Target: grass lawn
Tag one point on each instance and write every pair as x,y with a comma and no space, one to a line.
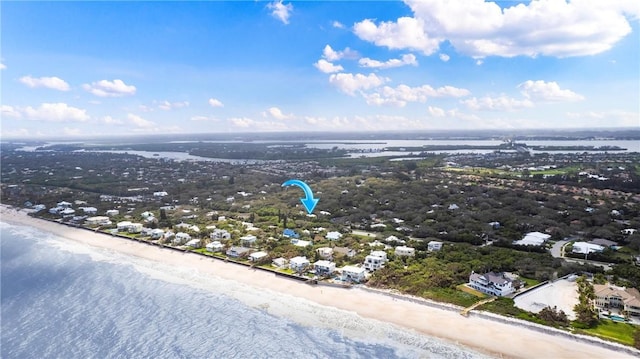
529,282
615,331
471,291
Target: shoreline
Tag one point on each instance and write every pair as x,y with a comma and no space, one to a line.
483,332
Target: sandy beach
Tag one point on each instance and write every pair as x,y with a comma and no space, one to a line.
501,338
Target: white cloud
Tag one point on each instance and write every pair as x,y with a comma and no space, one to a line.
400,95
3,66
407,59
56,112
480,28
204,118
327,67
547,91
54,83
611,118
332,55
72,132
10,111
280,11
350,83
500,103
444,57
338,25
245,123
213,102
139,121
106,88
168,106
276,113
406,33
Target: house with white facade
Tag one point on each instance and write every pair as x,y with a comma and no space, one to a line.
181,238
215,246
491,283
280,263
89,210
195,243
220,235
156,233
333,236
112,212
353,274
533,239
237,252
123,226
404,251
298,264
586,248
375,260
97,221
325,252
434,246
135,228
611,297
259,256
324,267
248,240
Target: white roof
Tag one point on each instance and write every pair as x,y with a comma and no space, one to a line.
299,260
584,247
258,255
353,269
324,263
533,239
334,235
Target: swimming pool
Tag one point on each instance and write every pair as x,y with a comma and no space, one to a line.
617,318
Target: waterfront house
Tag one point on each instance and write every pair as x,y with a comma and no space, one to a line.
181,238
237,252
97,221
324,267
89,210
258,257
492,283
215,246
195,243
156,233
375,260
123,226
353,274
279,263
298,264
434,246
404,251
135,228
611,297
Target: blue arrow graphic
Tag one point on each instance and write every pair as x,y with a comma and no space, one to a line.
309,202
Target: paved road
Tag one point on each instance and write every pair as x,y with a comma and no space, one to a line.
556,250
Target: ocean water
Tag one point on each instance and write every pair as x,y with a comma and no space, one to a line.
62,299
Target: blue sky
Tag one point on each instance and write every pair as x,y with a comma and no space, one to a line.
81,69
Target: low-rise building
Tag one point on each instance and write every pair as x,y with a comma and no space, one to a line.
298,264
324,267
404,251
237,252
434,246
195,243
375,260
97,221
492,283
533,239
611,297
586,248
248,240
353,274
215,246
259,256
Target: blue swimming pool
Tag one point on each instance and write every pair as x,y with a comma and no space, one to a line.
617,318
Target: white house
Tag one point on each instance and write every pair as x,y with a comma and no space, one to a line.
491,283
298,264
112,212
146,214
325,252
333,236
135,228
279,263
89,210
156,233
300,243
98,221
160,194
195,243
375,260
258,256
64,204
353,274
236,252
404,251
181,238
123,226
220,234
434,246
533,239
248,240
215,246
586,248
324,267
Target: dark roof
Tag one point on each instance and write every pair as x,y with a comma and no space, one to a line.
603,242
